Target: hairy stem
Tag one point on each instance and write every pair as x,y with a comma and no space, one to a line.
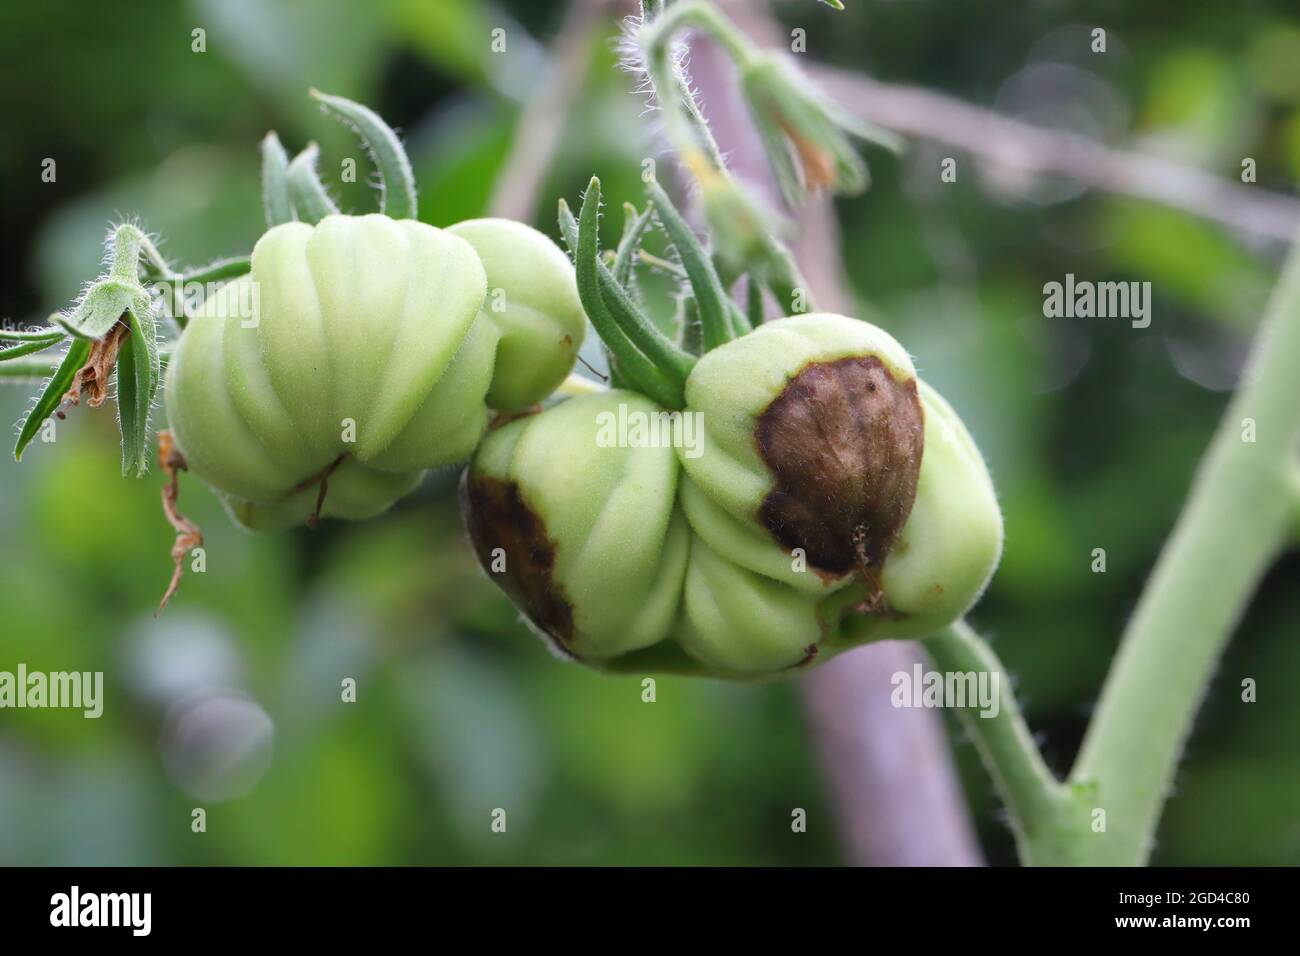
1239,513
1041,808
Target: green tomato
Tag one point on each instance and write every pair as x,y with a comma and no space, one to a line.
741,624
582,534
952,541
622,562
828,465
749,612
812,440
353,351
533,301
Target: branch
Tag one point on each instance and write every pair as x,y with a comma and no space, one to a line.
1034,152
1040,806
1240,512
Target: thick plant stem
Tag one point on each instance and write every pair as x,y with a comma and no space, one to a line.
1238,515
1041,808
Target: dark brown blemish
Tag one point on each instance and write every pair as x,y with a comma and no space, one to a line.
496,516
843,441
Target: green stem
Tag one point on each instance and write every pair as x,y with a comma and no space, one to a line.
30,346
684,122
218,271
26,371
129,244
1238,514
30,335
1040,807
688,130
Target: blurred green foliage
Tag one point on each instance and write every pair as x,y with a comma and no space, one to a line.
1092,430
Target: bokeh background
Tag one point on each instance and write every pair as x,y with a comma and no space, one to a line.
230,701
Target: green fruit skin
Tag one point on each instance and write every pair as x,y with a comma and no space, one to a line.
951,544
533,302
620,545
749,615
624,554
739,624
362,327
734,384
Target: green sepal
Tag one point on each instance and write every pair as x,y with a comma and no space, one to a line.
663,384
634,227
101,307
30,335
276,202
710,297
138,372
397,196
52,396
28,346
309,196
753,302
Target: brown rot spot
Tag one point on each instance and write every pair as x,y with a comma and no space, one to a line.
513,547
843,441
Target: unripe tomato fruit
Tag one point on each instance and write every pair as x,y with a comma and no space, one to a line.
813,440
532,299
363,352
584,538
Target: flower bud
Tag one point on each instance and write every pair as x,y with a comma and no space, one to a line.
352,354
533,302
582,535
